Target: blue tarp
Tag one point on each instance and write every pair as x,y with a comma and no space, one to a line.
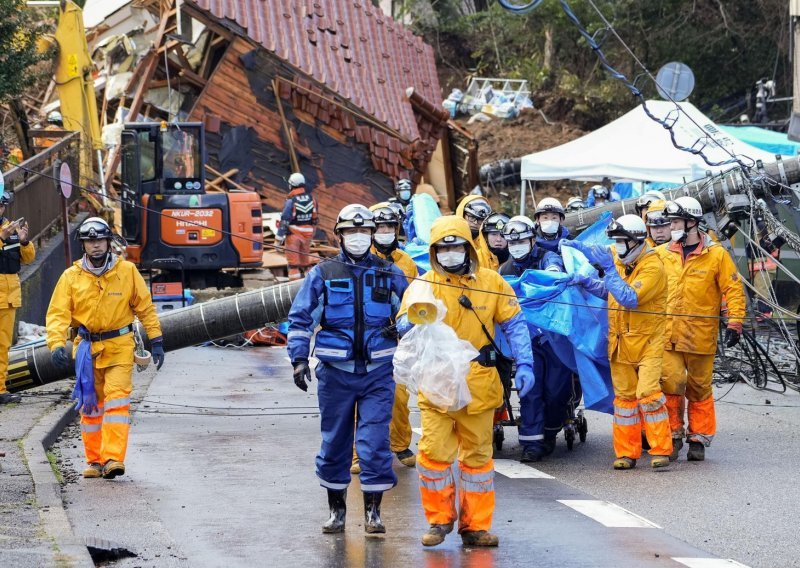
763,139
574,322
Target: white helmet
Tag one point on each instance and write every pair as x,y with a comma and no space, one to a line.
628,227
625,229
684,208
54,117
549,205
519,228
354,215
297,180
574,203
600,191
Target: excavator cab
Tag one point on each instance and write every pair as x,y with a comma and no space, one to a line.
167,214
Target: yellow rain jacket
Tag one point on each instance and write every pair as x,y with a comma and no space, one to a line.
486,257
696,287
403,261
100,304
493,300
10,292
634,335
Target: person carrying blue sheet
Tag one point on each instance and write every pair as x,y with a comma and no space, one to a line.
545,408
549,216
355,345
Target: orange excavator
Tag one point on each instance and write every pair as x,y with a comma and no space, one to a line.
169,220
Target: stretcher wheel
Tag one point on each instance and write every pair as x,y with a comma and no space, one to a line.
498,437
583,426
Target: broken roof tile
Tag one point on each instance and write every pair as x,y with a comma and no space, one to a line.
377,62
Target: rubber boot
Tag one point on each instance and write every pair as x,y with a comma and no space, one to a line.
436,534
531,455
677,444
479,538
337,503
696,453
372,513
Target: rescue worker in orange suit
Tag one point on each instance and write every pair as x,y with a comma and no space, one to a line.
298,221
99,295
386,247
700,274
353,298
636,287
464,286
15,250
475,210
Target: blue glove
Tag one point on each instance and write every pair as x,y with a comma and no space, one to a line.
403,326
595,254
594,286
524,380
157,350
60,358
83,394
622,292
519,338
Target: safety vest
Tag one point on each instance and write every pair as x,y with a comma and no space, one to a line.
357,306
551,244
304,209
10,256
534,261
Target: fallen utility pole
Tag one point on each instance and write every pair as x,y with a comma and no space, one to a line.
716,193
32,367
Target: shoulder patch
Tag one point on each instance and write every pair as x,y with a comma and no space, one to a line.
513,302
637,284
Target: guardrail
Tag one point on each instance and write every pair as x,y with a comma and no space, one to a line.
35,195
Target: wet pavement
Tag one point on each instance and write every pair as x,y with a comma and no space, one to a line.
220,472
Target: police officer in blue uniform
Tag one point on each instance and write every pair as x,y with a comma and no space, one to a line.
548,404
357,293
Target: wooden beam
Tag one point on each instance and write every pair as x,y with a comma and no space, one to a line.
288,133
144,72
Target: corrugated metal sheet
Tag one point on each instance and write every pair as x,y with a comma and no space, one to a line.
349,46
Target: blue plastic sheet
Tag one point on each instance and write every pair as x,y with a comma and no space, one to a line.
573,322
421,212
84,393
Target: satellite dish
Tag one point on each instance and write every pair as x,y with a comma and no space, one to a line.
675,81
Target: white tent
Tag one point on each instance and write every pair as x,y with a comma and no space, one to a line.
636,148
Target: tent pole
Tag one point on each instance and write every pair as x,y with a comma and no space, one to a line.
522,192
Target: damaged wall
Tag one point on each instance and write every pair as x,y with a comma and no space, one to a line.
338,167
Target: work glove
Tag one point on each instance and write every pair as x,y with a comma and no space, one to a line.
60,357
733,334
302,374
595,254
157,350
280,240
579,279
524,380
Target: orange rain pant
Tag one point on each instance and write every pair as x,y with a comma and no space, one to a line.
400,426
105,432
298,247
7,318
468,436
638,395
688,376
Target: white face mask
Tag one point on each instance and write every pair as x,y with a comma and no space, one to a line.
632,255
519,251
384,239
621,247
451,259
549,227
357,244
677,235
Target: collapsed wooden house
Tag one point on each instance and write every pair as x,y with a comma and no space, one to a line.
331,88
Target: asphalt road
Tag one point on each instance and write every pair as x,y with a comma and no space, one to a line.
220,472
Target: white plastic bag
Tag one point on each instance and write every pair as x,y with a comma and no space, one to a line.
431,359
